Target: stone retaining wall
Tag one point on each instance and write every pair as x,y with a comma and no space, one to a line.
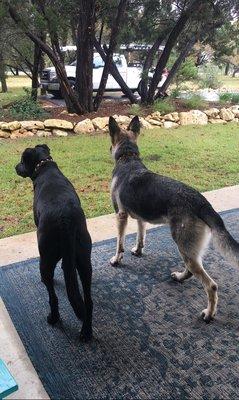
60,127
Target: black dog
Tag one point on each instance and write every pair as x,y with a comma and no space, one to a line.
154,198
61,232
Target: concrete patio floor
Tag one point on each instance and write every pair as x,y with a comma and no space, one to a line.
22,247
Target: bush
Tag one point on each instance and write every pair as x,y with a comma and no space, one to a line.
175,93
209,78
195,102
187,72
163,106
26,108
135,109
229,98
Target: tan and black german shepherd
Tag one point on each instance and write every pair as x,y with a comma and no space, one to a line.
154,198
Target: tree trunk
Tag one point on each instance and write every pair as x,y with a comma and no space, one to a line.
176,67
227,69
176,31
35,71
72,103
147,65
85,51
116,75
117,25
3,74
235,71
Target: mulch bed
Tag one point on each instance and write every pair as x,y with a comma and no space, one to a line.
108,107
111,107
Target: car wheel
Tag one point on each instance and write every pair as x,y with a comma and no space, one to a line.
56,94
72,82
139,89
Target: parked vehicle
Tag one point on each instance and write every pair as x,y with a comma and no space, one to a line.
131,75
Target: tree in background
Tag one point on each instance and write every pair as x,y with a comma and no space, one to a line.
105,25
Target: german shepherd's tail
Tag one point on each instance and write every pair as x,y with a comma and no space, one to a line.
70,274
223,240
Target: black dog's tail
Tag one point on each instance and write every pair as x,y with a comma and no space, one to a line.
70,274
226,244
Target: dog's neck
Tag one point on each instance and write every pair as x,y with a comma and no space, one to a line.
127,151
128,156
40,164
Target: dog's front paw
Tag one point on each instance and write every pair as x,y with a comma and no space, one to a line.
114,261
137,251
52,319
86,335
207,316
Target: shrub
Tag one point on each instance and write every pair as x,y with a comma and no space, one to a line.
163,106
209,78
135,109
187,72
26,108
235,98
175,93
229,98
195,102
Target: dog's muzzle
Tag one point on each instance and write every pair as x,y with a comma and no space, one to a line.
21,171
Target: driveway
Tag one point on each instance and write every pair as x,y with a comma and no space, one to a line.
109,96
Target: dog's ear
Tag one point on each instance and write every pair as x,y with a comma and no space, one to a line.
134,125
44,147
114,129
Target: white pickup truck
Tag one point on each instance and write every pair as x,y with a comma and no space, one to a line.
131,75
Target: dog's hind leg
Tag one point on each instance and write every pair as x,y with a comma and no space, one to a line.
192,237
122,219
84,269
137,250
47,277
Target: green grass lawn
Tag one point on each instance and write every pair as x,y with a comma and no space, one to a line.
229,82
16,85
205,157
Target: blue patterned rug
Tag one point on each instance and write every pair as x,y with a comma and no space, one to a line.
149,342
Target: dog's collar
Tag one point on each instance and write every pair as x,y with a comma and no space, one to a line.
126,156
42,162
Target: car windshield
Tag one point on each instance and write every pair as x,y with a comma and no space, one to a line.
99,63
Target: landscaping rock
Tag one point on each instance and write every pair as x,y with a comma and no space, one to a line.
226,114
43,133
145,124
174,117
100,123
14,125
85,126
194,117
10,126
59,132
156,115
154,121
212,112
58,124
4,134
235,110
19,134
30,125
4,126
123,120
217,121
170,124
